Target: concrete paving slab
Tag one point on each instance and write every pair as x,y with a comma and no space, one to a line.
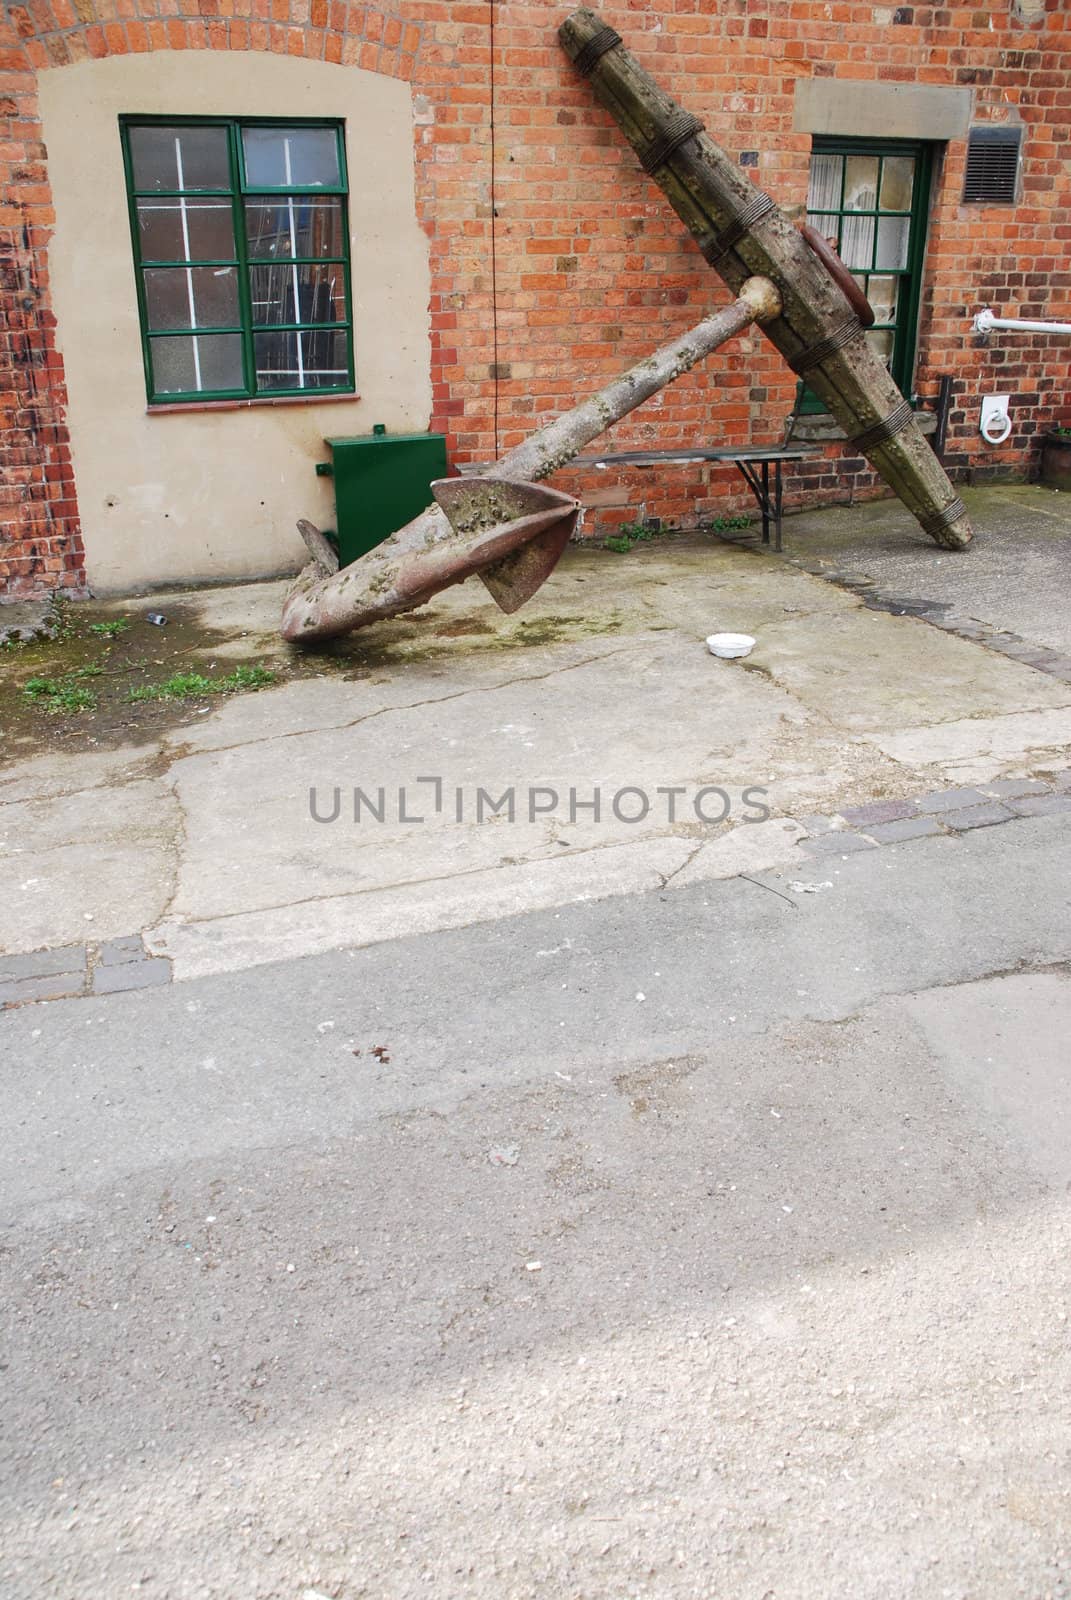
118,952
238,940
23,620
336,702
145,974
657,711
43,963
902,829
1040,805
52,773
983,816
57,986
949,800
89,864
1019,562
878,811
841,843
979,747
752,847
868,670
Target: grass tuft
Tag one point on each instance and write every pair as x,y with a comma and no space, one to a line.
56,695
194,685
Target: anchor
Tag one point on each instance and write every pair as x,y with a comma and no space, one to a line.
509,532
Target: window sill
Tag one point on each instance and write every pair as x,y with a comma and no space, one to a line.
820,428
165,408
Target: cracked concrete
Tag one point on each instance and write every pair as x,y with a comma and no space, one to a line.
205,841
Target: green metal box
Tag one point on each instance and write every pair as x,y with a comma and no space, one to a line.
381,483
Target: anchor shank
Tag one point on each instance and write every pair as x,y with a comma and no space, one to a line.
376,586
552,446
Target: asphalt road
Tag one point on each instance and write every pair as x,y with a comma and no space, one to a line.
709,1243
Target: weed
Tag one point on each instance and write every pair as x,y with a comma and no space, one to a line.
193,685
728,524
110,630
55,695
59,624
631,533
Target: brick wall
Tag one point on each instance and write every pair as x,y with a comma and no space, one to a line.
583,267
40,542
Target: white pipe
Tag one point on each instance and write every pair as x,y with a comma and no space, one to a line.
986,322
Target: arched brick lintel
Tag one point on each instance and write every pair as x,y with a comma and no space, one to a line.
53,33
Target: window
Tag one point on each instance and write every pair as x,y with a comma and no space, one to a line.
871,198
241,251
992,175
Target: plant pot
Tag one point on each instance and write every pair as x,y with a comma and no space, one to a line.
1056,460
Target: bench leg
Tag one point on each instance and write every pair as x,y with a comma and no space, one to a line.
759,484
779,505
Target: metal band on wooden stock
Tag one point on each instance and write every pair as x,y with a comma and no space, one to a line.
595,49
716,246
842,335
681,125
937,521
881,432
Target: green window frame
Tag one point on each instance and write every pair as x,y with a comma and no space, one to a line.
240,235
880,233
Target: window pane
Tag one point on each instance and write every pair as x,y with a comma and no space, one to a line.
880,341
298,294
301,360
823,193
180,158
881,292
857,241
291,158
192,297
301,226
892,241
897,183
199,364
186,230
861,183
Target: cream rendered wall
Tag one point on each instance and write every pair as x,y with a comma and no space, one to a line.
211,494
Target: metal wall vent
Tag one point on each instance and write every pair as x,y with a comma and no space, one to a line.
992,165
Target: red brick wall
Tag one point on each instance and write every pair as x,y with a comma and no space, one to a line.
589,267
40,541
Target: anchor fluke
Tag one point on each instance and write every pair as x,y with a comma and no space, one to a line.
539,522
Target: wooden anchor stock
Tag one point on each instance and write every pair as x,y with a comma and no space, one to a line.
742,232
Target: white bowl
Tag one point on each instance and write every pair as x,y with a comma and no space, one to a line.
728,645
